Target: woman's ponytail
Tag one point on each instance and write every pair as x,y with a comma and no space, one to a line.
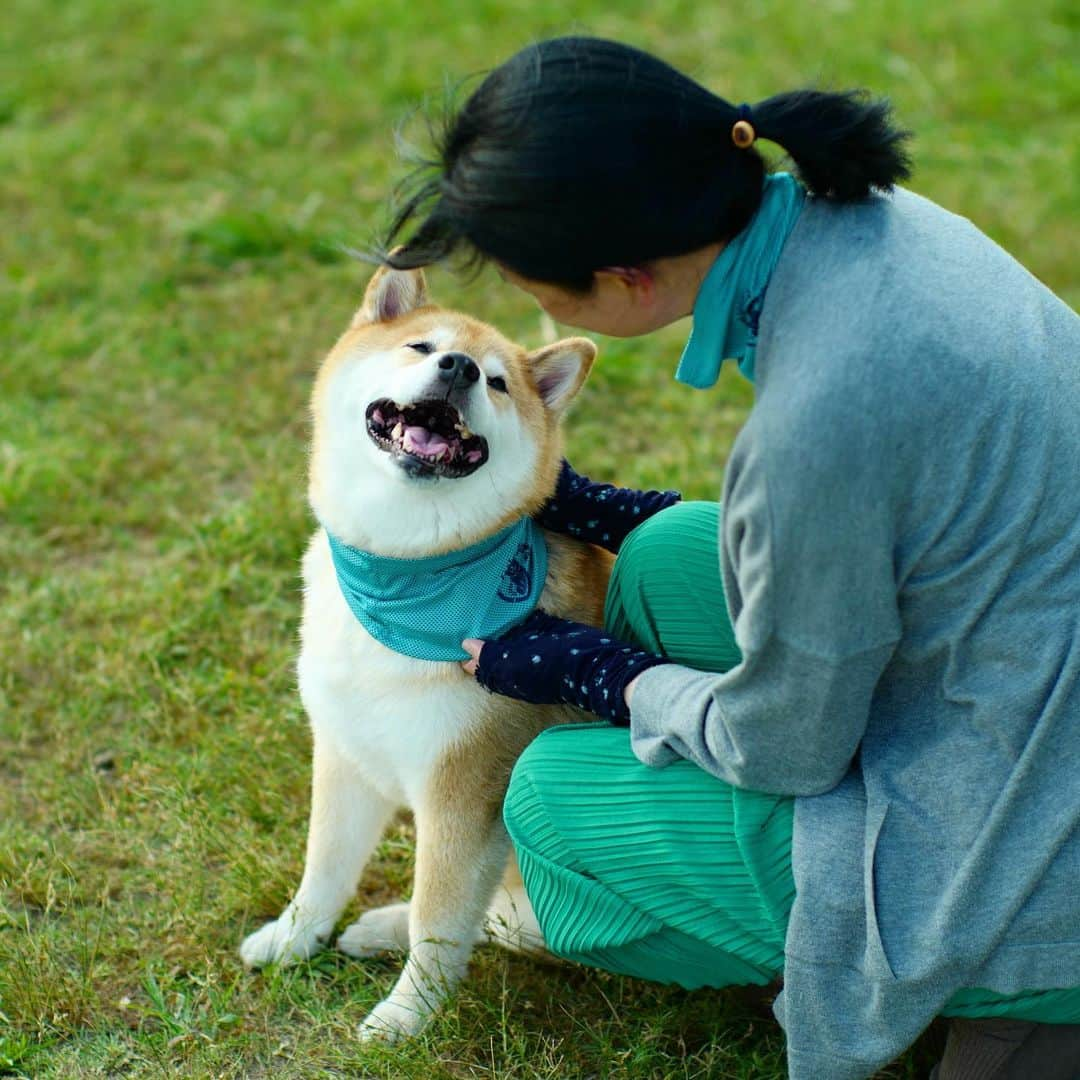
843,144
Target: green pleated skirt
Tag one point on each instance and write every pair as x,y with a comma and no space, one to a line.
672,874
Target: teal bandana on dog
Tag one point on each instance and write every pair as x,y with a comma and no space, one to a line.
729,302
425,607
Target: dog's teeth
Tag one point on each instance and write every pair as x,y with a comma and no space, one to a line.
399,430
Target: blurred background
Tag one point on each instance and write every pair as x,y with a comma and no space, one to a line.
177,183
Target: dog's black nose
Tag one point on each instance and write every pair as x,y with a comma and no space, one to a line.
454,365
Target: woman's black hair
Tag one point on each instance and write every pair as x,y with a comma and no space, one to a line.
579,153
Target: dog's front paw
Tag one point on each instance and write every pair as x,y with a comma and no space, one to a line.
391,1020
382,930
283,941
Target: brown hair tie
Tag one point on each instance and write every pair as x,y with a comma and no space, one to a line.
742,132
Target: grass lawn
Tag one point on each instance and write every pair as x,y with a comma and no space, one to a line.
175,180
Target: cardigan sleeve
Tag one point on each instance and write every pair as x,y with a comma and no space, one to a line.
781,722
806,560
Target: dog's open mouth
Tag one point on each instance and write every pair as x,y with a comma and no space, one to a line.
429,437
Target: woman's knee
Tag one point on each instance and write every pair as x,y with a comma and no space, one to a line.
527,809
687,528
666,591
657,550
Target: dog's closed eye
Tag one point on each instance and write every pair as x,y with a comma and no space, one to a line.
422,347
497,382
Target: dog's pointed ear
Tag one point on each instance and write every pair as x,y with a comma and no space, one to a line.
560,369
390,294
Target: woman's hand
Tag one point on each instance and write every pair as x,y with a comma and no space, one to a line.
550,661
472,646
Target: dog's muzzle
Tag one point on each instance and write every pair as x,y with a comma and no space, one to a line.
427,438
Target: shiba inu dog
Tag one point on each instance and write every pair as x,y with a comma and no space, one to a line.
432,434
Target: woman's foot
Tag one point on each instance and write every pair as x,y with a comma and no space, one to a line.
1009,1050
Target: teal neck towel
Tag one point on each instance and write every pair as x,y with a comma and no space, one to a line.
730,299
425,607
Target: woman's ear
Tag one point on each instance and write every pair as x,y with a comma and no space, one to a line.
390,294
638,280
560,369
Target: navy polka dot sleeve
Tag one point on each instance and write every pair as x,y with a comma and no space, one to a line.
547,660
601,514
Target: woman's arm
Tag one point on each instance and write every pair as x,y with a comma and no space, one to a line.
547,660
783,721
807,552
600,514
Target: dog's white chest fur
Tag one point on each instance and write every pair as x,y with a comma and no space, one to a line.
392,715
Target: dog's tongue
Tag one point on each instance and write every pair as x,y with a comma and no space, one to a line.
418,440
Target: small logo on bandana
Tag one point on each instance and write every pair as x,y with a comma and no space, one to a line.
751,314
516,582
